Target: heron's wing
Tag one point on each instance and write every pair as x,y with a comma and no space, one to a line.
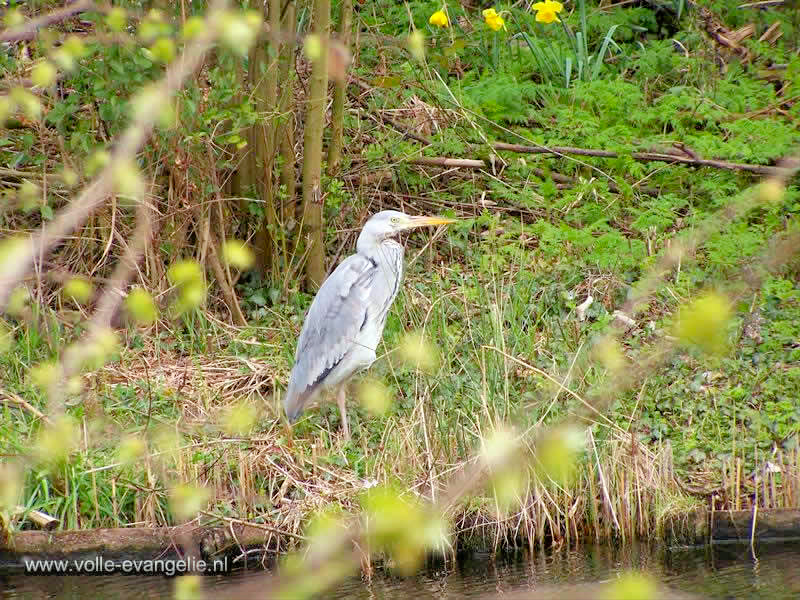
339,311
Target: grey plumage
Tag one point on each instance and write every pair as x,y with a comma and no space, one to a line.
345,323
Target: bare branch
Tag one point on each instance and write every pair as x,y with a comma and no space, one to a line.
8,396
29,30
645,157
471,163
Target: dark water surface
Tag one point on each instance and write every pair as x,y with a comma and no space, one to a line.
724,571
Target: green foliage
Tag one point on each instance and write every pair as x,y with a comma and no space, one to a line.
503,99
577,61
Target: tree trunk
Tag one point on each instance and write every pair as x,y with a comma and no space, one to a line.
265,92
312,149
241,176
337,112
286,132
256,154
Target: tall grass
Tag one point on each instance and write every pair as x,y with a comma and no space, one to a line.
496,329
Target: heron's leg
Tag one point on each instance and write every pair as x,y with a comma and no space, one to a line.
343,410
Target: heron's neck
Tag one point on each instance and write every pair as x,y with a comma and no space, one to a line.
377,250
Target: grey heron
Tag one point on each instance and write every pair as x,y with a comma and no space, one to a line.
347,316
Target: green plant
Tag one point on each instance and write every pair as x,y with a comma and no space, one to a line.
556,64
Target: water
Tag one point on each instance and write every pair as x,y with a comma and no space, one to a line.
724,572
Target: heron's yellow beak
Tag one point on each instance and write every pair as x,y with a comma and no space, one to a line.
423,221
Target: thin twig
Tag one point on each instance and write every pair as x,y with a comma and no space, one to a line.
14,399
394,124
469,163
263,526
612,187
762,4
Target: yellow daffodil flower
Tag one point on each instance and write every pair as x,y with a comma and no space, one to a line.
439,18
494,20
546,11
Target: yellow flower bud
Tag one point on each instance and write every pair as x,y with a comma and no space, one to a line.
374,396
78,289
141,307
117,19
187,500
238,254
704,323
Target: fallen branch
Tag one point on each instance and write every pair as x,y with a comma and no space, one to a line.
14,399
441,161
772,34
644,157
41,519
688,157
723,36
767,109
29,30
470,163
762,4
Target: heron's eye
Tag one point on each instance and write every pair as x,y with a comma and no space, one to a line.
395,220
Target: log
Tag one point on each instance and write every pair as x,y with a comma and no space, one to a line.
141,542
729,526
737,525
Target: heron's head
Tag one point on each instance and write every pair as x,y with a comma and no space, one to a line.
389,223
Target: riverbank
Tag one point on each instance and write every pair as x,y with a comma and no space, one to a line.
266,489
619,274
224,548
